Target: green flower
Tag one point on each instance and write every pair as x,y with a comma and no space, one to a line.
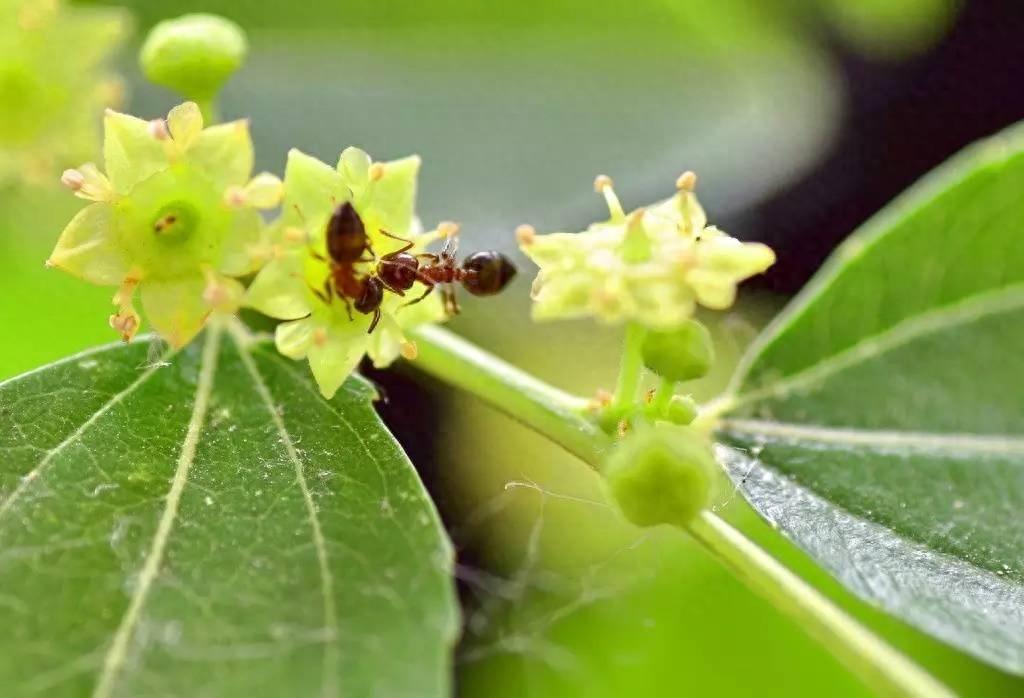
175,216
652,266
52,83
290,287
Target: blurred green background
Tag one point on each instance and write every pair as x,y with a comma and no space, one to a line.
515,108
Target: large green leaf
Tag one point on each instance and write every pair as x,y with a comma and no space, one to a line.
879,420
209,526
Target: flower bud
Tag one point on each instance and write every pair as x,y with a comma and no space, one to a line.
682,354
194,54
661,475
681,410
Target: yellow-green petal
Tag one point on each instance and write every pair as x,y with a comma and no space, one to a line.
264,191
185,123
224,153
175,308
354,165
279,290
294,338
714,290
131,153
88,250
333,360
310,186
244,236
394,195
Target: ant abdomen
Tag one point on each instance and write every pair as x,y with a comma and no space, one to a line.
487,273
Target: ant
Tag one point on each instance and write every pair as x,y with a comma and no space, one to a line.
347,243
482,273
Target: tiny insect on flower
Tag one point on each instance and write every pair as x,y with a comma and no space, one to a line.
336,266
174,217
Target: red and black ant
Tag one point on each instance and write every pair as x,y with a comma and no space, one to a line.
482,273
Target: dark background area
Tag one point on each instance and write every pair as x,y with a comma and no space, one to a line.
901,120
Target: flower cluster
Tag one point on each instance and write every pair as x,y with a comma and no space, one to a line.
173,216
651,266
50,102
319,325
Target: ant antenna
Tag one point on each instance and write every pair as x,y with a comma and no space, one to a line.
451,245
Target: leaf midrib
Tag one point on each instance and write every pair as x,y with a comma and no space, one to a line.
880,439
117,652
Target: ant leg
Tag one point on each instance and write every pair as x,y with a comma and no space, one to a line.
319,294
376,319
451,304
408,244
348,308
426,293
312,251
327,294
396,291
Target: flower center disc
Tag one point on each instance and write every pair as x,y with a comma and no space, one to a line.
175,222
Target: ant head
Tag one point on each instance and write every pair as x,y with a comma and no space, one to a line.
490,272
371,297
399,270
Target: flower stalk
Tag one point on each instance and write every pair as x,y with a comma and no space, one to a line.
562,418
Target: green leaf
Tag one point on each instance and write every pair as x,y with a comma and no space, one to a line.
878,422
208,525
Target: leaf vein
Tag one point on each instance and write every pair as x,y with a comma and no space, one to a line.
32,475
966,311
330,671
875,439
117,653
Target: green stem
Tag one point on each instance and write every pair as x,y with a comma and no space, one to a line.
208,108
884,669
561,418
545,409
663,396
630,369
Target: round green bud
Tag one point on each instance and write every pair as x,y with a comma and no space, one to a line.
681,410
193,54
661,475
681,354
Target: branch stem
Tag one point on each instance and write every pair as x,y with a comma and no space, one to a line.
542,407
880,666
562,418
630,369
